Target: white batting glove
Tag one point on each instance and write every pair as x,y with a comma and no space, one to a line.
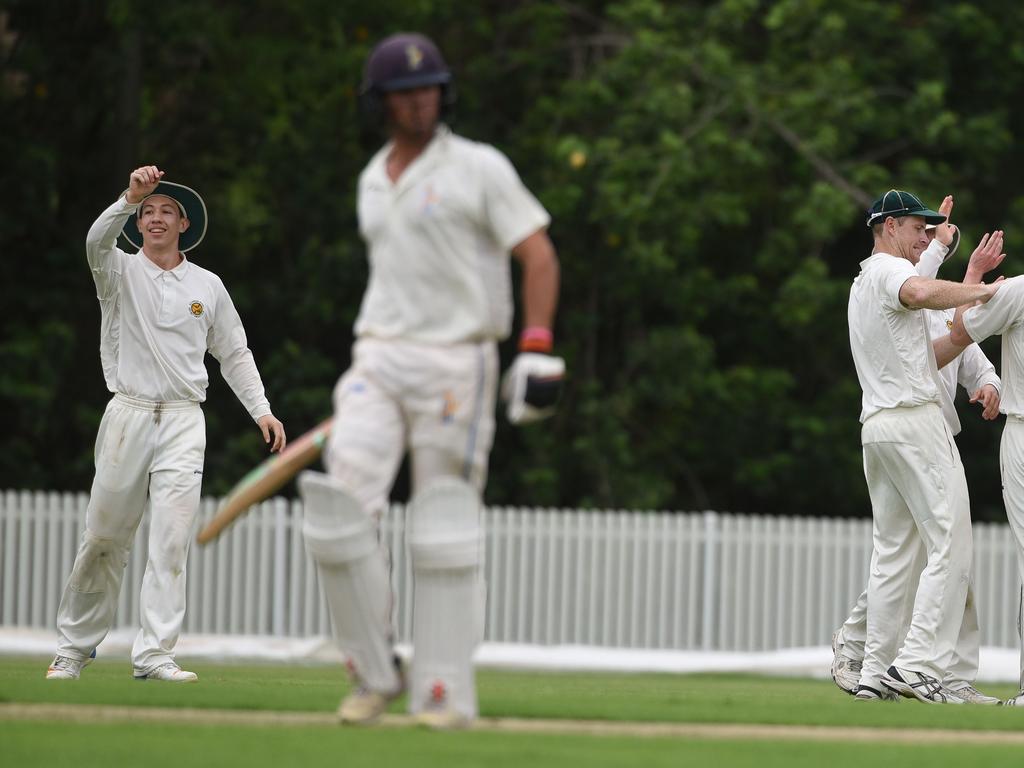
531,387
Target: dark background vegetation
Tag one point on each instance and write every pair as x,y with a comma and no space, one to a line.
707,242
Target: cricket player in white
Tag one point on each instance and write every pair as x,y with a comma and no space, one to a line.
973,371
911,464
1005,317
160,313
440,215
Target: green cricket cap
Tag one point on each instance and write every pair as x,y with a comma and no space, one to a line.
897,203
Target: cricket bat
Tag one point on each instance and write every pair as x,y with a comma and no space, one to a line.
265,479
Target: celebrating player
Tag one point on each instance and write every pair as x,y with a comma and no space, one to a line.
911,464
1005,317
977,375
440,215
160,313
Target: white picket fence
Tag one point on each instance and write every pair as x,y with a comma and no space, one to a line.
694,581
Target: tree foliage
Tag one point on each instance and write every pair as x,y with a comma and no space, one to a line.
707,165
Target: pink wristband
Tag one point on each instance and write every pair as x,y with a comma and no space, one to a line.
536,338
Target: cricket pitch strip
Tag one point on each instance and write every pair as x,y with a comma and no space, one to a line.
87,713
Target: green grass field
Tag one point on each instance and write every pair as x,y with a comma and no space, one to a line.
736,699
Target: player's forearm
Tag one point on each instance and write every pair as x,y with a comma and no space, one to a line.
931,259
240,372
946,351
923,293
102,237
541,277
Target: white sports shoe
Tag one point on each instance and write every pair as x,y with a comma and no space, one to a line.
1016,701
972,695
439,715
168,672
917,685
845,671
363,705
66,668
867,693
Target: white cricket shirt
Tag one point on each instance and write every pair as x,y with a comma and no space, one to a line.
970,369
156,325
1003,314
438,242
890,343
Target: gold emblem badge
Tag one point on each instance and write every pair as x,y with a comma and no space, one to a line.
196,308
949,324
414,56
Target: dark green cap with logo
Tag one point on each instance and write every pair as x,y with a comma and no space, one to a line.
897,203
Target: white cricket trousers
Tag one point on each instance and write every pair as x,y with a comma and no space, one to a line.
436,402
964,665
1011,464
918,495
143,450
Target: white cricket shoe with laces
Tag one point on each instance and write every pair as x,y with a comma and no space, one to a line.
917,685
168,672
845,670
972,695
66,668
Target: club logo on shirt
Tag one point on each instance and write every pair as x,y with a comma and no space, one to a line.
196,308
949,324
431,199
449,407
414,56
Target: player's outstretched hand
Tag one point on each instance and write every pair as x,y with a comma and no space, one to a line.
272,426
988,396
142,182
988,255
945,231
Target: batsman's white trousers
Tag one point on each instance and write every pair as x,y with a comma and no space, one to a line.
437,402
1011,464
964,665
918,495
143,449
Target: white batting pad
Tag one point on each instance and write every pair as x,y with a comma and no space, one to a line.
445,537
342,539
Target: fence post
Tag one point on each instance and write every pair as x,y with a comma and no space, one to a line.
710,582
280,570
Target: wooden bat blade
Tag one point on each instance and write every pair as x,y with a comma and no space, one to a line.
261,482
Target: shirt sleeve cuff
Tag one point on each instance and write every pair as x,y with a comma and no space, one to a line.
259,411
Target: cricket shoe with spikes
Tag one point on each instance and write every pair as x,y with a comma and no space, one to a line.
362,705
168,672
917,685
845,671
66,668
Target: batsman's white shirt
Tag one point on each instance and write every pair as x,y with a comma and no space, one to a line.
890,343
157,325
439,241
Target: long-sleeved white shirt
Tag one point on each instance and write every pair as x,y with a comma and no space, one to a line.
971,369
156,325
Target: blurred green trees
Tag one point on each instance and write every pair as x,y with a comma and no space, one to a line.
707,165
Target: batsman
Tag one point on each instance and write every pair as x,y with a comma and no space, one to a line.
440,216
